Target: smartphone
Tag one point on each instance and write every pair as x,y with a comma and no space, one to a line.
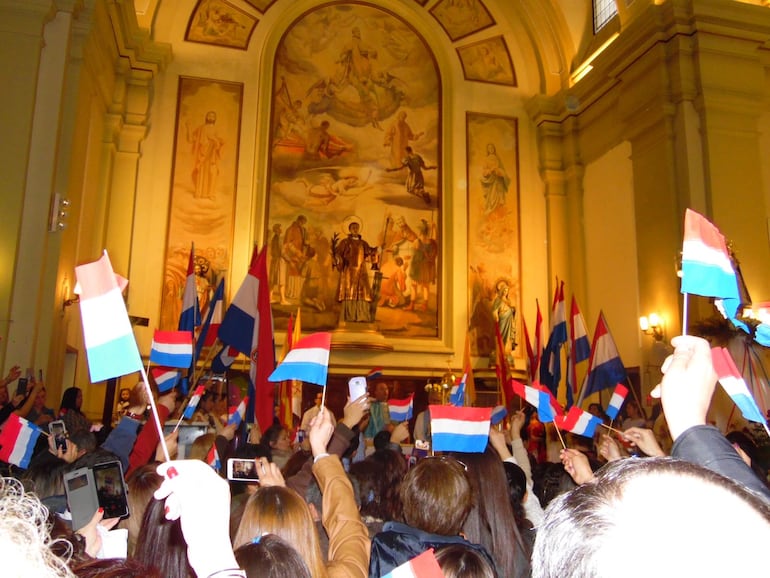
111,489
81,496
357,387
21,386
242,470
58,432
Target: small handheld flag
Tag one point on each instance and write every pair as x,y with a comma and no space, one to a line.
374,373
734,385
423,566
212,458
189,410
172,349
109,339
498,414
616,401
401,409
457,393
307,361
17,441
578,422
540,399
239,414
165,378
460,429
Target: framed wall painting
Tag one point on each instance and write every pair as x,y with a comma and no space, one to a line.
261,5
494,261
220,23
356,135
461,19
203,184
488,61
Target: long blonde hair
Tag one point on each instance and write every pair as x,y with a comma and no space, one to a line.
281,511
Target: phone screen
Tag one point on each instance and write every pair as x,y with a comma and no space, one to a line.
111,489
242,470
21,386
59,433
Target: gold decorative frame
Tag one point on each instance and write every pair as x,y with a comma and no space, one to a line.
488,61
461,19
219,23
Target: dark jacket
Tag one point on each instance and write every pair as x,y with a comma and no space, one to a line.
399,543
705,446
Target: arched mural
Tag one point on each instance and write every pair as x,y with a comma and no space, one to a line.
355,136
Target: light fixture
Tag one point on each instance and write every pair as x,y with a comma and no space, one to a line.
71,301
653,325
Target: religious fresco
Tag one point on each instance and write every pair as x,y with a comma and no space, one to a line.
488,61
494,258
461,18
203,183
220,23
261,5
354,86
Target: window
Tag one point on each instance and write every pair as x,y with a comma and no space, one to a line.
604,11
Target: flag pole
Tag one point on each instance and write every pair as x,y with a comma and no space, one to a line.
154,409
684,314
561,439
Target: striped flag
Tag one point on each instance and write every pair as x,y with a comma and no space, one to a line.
541,400
734,385
210,327
189,410
498,414
706,266
616,401
165,378
423,566
457,393
191,312
110,345
460,429
401,409
374,373
212,458
578,422
17,441
239,414
605,369
307,361
550,364
172,349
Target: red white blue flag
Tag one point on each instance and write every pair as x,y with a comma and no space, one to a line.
578,421
459,429
172,349
212,458
374,373
239,414
165,378
616,401
457,393
734,385
307,361
189,410
109,339
498,414
401,409
605,369
17,441
541,400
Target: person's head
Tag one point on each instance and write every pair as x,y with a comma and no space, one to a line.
697,517
394,470
754,457
141,486
354,228
72,399
318,398
596,409
277,228
207,401
281,511
436,495
84,440
381,391
25,544
125,394
632,409
277,438
491,522
434,397
211,117
502,288
201,446
325,125
271,556
301,219
550,480
39,402
491,149
161,544
408,150
460,561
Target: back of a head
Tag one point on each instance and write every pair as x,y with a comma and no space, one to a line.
281,511
141,486
702,523
436,496
549,481
460,561
201,446
271,557
161,544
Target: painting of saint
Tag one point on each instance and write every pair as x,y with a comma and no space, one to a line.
488,61
356,130
461,18
219,22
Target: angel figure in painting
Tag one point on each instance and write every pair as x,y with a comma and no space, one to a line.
350,257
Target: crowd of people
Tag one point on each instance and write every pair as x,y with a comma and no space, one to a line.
346,501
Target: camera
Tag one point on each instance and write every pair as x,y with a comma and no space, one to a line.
58,432
242,470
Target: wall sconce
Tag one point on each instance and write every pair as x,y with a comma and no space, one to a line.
57,220
653,325
71,301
